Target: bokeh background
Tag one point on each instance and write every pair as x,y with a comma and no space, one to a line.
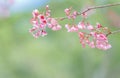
59,54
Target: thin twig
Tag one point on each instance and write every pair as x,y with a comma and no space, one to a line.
112,32
115,31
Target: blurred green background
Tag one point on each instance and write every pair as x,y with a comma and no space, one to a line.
59,54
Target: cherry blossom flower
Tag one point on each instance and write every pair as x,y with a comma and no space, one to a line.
81,25
104,45
99,25
67,11
71,29
90,27
53,24
35,13
102,42
84,15
48,11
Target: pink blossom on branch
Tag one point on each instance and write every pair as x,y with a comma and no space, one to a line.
70,14
41,21
53,24
81,25
71,28
93,36
102,42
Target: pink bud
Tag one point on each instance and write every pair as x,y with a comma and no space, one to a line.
67,11
47,6
35,13
81,35
99,25
43,33
84,15
54,22
75,13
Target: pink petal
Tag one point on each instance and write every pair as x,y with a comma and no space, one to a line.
90,27
54,22
35,13
43,33
81,25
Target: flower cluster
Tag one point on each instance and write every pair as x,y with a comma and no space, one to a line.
42,20
93,36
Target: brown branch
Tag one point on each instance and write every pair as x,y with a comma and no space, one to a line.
95,7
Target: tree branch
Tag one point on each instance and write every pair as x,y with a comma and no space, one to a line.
102,6
95,7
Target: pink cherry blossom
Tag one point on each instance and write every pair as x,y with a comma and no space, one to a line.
32,29
48,11
99,25
35,13
101,37
90,27
83,39
81,35
92,44
104,45
71,28
67,11
39,33
81,25
84,15
102,42
73,15
43,33
53,24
